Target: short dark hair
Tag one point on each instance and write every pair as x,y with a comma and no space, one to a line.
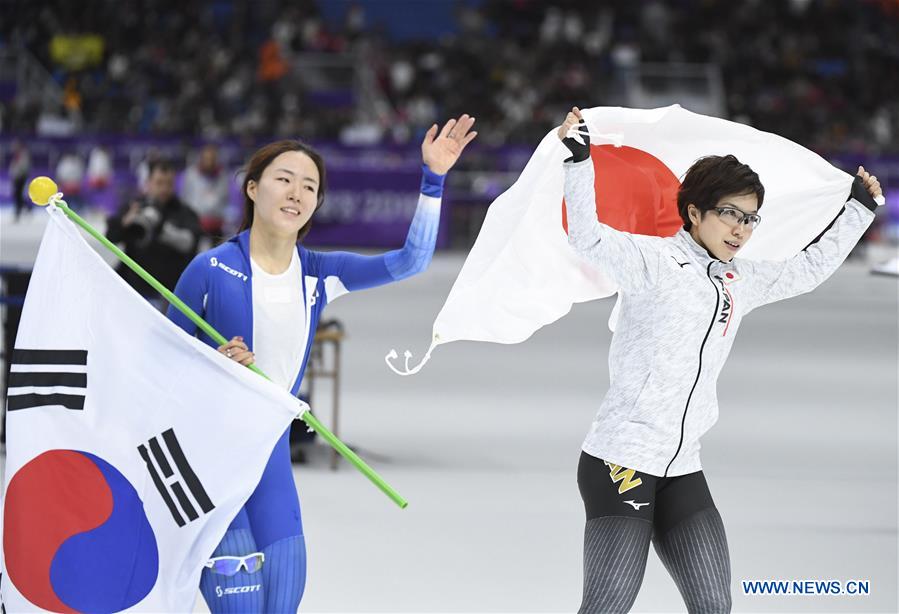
712,178
163,165
260,160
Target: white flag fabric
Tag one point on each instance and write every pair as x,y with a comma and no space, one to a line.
130,445
521,274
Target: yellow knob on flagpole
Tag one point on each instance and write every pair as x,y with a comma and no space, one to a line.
41,189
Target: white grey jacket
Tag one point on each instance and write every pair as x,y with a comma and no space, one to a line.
680,309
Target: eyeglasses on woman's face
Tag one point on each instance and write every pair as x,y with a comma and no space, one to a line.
734,217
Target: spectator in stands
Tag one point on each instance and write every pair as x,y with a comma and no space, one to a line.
19,167
99,168
158,230
205,188
70,177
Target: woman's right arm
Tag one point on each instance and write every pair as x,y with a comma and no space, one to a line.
191,288
627,258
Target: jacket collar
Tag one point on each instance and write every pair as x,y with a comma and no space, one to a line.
695,249
242,239
243,242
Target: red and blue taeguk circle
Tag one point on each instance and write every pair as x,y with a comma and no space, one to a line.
76,537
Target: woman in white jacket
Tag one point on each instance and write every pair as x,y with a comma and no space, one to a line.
681,302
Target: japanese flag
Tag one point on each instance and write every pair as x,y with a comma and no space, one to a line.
521,274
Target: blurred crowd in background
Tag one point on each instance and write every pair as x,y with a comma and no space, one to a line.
820,72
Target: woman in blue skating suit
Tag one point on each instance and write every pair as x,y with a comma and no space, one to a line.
265,291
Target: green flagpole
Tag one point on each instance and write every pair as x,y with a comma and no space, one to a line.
43,191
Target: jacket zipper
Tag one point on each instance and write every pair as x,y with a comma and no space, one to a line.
683,420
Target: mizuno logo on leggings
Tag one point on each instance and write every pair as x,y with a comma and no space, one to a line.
625,476
636,505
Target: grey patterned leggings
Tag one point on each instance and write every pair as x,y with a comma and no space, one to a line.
626,510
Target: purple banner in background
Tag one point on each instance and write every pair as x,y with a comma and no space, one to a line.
371,198
370,208
372,191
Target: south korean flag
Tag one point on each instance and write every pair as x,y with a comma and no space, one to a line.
130,445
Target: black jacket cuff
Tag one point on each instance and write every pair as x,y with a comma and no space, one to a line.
861,194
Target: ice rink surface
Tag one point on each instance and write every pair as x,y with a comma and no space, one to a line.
484,444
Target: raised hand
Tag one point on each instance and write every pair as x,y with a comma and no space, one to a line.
574,117
579,151
440,151
870,181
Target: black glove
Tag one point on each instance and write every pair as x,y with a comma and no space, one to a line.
579,152
860,193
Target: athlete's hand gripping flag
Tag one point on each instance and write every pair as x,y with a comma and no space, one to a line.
521,273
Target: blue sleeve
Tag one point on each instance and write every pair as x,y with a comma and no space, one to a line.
357,272
431,182
191,289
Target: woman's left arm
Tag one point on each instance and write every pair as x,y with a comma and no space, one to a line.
347,271
775,281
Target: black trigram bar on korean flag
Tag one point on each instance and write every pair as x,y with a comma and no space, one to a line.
169,469
43,378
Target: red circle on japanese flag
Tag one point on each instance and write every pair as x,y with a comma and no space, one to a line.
635,192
